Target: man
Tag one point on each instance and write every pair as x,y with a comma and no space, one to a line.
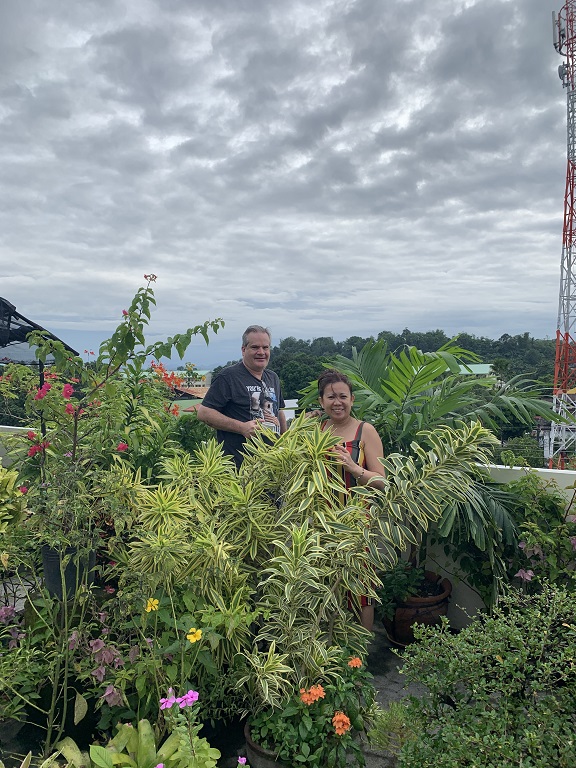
245,397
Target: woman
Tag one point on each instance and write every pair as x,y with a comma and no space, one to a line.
358,453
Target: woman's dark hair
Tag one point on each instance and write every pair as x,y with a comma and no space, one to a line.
332,376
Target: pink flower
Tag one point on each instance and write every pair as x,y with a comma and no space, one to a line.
125,313
31,435
34,449
573,542
23,489
109,590
524,575
188,699
168,701
241,761
122,447
69,408
73,642
67,391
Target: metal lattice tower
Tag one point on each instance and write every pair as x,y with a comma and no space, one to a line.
562,436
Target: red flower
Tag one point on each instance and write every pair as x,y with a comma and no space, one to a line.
31,435
67,391
23,489
125,313
122,447
43,391
69,408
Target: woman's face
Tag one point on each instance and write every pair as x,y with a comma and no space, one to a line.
337,401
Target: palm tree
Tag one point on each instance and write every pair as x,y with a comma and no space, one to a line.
409,395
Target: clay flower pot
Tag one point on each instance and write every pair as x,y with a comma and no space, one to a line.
422,610
258,757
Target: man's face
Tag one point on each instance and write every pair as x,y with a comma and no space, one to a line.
256,353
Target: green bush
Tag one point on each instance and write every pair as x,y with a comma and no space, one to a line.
190,432
502,692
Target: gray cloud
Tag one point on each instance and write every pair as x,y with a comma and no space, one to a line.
334,169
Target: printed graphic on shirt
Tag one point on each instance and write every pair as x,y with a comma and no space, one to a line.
264,405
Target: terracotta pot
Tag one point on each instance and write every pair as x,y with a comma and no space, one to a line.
419,610
258,757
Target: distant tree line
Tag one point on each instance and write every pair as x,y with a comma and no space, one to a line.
297,361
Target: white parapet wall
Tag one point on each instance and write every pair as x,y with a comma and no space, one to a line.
465,602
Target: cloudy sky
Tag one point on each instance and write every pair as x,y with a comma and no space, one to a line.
325,167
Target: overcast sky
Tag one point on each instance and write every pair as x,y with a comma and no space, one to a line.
325,168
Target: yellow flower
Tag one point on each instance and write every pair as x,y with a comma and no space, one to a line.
194,634
152,604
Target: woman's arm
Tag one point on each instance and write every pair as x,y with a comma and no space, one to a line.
373,451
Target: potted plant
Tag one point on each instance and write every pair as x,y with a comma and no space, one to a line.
321,724
411,595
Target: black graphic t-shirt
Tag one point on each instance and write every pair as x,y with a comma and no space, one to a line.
236,393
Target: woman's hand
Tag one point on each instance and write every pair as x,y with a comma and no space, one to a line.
344,458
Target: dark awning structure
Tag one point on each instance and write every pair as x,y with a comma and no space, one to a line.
14,330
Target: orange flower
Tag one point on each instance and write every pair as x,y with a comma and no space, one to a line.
355,662
309,697
341,723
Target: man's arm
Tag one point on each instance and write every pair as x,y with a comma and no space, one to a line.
218,420
282,420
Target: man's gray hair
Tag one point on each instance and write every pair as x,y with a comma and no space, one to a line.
254,329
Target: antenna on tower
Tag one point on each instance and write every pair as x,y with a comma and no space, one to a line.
563,435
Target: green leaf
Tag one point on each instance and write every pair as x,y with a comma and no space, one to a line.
101,756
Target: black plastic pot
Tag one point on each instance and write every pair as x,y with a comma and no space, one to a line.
77,569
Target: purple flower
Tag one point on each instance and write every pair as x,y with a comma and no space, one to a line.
7,613
73,641
16,637
99,673
96,645
241,761
524,575
133,654
112,696
108,655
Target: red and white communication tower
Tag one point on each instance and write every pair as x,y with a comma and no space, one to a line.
562,436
